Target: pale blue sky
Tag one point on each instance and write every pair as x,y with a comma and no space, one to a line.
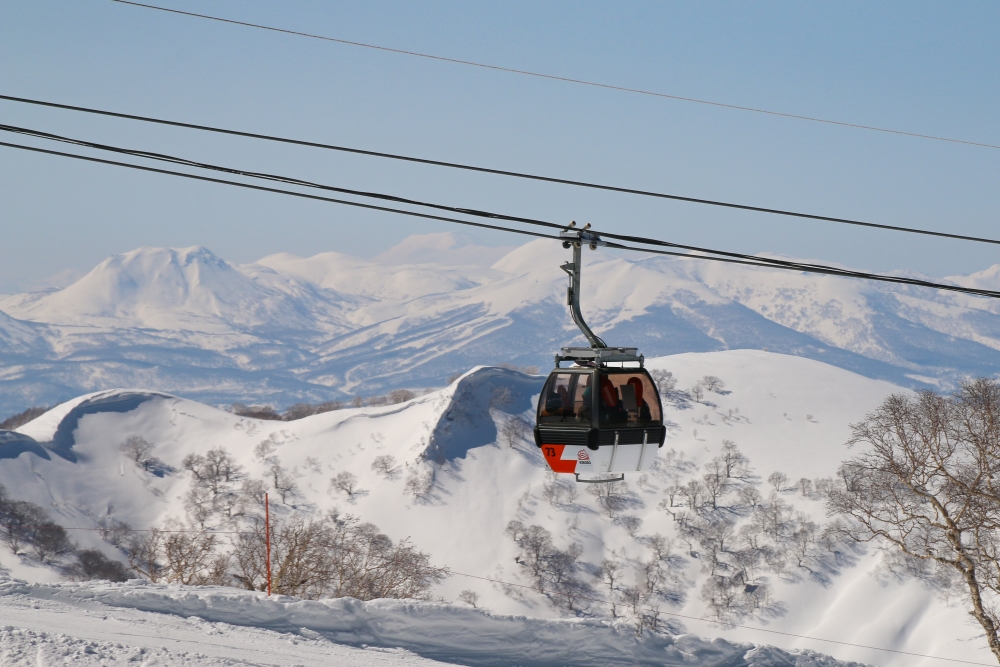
923,67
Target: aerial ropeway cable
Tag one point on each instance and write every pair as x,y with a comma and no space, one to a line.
709,253
503,172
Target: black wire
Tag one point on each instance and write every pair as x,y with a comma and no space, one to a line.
501,172
738,258
276,190
562,78
270,177
728,258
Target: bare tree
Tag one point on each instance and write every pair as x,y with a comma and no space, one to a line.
263,450
216,470
137,450
778,480
385,465
345,482
284,483
631,524
929,488
611,570
514,430
712,383
145,551
665,381
419,482
469,597
17,521
50,541
253,490
735,462
612,496
749,496
199,504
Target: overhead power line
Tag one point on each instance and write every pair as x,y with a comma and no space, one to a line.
502,172
564,79
720,256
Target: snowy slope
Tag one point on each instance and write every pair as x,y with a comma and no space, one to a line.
107,624
786,413
288,329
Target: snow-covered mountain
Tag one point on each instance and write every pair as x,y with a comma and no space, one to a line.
784,413
288,329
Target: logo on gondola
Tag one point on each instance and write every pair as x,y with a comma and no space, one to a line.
583,456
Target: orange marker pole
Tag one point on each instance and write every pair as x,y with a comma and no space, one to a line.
267,538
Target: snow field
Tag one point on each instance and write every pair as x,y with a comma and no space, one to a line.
793,416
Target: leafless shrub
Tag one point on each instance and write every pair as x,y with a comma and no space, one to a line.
558,491
113,531
552,570
265,412
824,486
631,524
530,370
469,597
419,482
805,487
334,557
400,396
92,564
22,418
501,396
303,410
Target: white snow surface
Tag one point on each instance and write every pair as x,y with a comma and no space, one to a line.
174,625
792,415
287,329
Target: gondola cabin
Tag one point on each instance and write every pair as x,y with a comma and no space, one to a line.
595,419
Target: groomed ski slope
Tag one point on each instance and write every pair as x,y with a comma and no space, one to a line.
147,624
792,415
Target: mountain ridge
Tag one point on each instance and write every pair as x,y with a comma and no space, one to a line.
287,329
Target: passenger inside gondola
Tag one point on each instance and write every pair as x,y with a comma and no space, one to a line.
641,407
612,410
566,399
